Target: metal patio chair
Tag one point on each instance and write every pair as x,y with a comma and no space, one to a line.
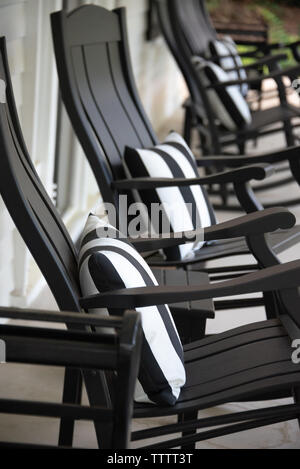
262,367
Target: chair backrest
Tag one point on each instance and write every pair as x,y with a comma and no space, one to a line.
172,42
31,208
98,89
180,49
207,19
193,25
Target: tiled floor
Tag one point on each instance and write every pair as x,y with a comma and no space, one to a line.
46,383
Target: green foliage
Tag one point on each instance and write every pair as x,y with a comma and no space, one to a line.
213,5
272,14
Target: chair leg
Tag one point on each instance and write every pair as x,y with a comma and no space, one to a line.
97,387
186,417
289,135
224,194
187,130
241,147
271,305
71,395
295,169
296,393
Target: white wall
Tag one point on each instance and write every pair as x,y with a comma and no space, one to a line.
26,25
158,79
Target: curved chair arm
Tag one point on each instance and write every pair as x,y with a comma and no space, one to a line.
62,317
234,161
255,54
268,60
249,54
265,221
240,175
293,46
291,72
275,46
279,277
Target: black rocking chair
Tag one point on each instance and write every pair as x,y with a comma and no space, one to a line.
99,93
188,40
250,363
199,115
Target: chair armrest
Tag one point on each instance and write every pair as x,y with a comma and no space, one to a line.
265,221
256,54
72,348
274,46
293,44
291,72
234,161
240,175
279,277
249,54
268,60
178,313
60,317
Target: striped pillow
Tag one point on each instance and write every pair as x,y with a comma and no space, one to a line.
185,208
107,261
227,57
228,103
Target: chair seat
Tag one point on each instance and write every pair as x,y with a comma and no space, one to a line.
263,119
241,364
175,277
273,115
280,241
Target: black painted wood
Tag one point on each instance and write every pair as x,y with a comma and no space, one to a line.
118,352
51,246
99,93
246,363
187,32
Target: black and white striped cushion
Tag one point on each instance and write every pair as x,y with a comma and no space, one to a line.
228,103
226,55
191,208
107,261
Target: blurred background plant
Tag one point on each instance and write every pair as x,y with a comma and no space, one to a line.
282,17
